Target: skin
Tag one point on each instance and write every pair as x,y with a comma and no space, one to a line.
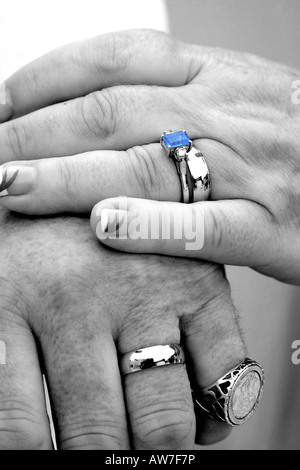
243,124
69,307
94,112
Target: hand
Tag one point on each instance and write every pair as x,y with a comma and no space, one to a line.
120,91
80,305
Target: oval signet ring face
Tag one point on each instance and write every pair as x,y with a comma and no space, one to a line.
235,396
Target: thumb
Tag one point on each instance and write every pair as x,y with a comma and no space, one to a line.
229,232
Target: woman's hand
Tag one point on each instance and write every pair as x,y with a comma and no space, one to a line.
123,90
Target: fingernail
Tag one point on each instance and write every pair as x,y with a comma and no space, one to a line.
16,180
112,223
6,105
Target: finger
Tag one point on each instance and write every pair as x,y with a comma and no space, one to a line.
24,424
228,232
214,345
77,183
115,118
84,381
128,57
159,401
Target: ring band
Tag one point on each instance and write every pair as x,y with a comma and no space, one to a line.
234,397
190,164
154,356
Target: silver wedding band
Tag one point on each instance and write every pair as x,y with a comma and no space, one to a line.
151,357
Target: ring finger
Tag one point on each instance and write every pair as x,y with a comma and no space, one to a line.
77,183
159,400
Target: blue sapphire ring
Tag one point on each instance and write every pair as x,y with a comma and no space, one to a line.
190,164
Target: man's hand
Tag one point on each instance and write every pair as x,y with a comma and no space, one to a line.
69,308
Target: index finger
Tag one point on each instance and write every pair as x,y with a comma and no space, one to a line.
128,57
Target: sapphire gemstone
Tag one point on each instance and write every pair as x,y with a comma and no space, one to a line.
176,139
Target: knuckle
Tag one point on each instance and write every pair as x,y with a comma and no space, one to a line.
69,176
208,275
33,77
283,197
215,220
143,172
18,139
164,429
111,53
20,429
155,39
100,112
108,54
72,283
104,435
